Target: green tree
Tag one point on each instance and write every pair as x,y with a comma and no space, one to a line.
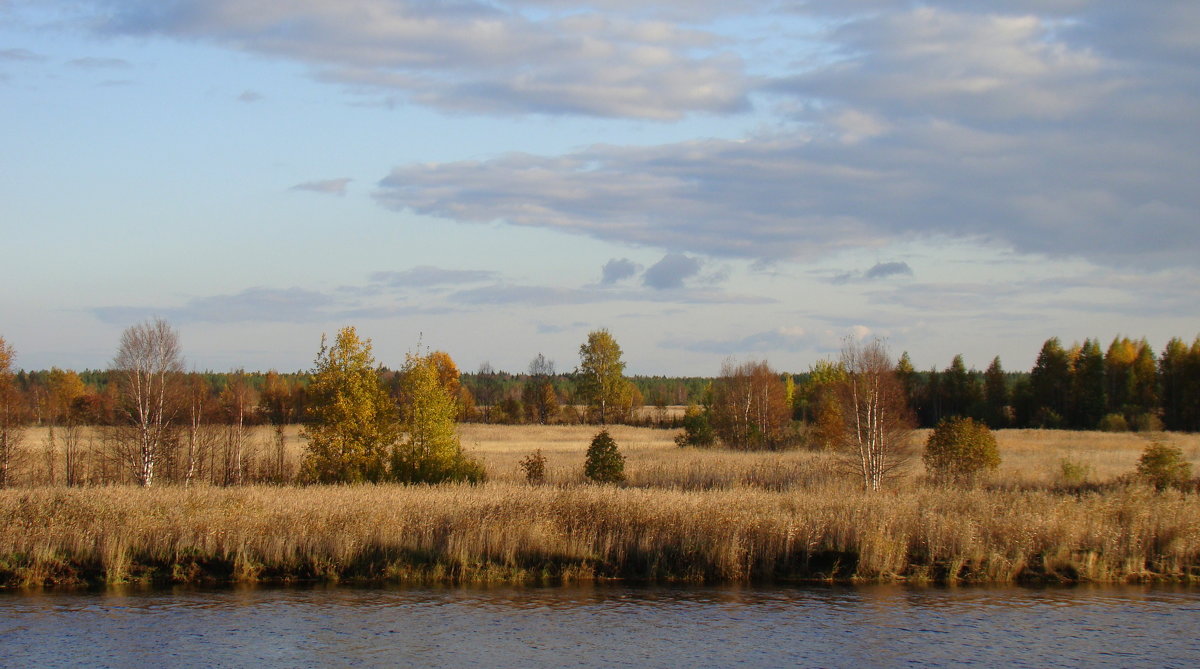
1050,385
959,450
353,421
960,389
604,464
1179,379
1163,466
602,383
995,395
430,451
1088,401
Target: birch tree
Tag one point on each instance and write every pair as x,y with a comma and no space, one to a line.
877,423
148,369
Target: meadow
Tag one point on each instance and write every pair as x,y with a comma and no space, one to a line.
685,515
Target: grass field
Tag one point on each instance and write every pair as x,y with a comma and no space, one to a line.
685,515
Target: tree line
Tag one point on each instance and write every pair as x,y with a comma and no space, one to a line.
147,419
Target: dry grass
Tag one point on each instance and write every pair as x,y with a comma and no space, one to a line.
687,514
519,533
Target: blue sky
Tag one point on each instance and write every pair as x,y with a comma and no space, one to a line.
495,179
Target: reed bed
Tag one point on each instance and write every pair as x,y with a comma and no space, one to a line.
519,533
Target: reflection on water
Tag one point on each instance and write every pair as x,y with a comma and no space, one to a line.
603,626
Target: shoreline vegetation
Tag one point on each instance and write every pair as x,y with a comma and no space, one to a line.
1061,509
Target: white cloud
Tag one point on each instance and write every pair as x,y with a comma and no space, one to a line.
329,186
491,58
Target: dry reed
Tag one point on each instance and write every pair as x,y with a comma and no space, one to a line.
685,515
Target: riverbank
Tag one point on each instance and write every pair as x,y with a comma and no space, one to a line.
503,532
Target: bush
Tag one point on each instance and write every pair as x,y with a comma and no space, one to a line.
1147,422
1073,473
1163,466
1113,422
604,464
697,430
959,449
534,466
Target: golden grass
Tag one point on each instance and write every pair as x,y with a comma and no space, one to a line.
685,515
521,533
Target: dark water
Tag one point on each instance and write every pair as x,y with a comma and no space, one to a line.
603,626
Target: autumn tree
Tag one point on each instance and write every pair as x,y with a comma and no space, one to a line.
430,451
200,439
277,403
749,406
959,450
601,375
1142,400
876,421
238,401
538,393
12,417
819,403
353,420
65,388
148,370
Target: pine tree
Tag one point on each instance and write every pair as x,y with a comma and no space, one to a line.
1050,385
604,464
995,395
1087,386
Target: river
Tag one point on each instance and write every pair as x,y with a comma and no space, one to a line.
603,626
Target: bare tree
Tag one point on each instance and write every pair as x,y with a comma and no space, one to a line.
148,369
238,399
877,423
749,407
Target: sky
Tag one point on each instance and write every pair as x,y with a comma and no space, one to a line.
495,179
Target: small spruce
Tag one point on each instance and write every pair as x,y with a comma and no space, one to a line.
605,464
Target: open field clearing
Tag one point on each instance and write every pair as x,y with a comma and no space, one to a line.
1029,458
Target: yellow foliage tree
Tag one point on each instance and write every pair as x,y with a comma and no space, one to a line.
430,451
354,421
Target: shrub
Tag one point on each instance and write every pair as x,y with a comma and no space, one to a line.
697,430
604,464
1114,422
1163,466
534,466
1073,473
1147,422
959,449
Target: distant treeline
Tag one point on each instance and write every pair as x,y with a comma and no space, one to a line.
1126,386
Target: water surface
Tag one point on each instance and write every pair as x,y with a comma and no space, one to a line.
603,626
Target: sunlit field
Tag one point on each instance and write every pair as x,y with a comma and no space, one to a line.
684,515
1029,458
